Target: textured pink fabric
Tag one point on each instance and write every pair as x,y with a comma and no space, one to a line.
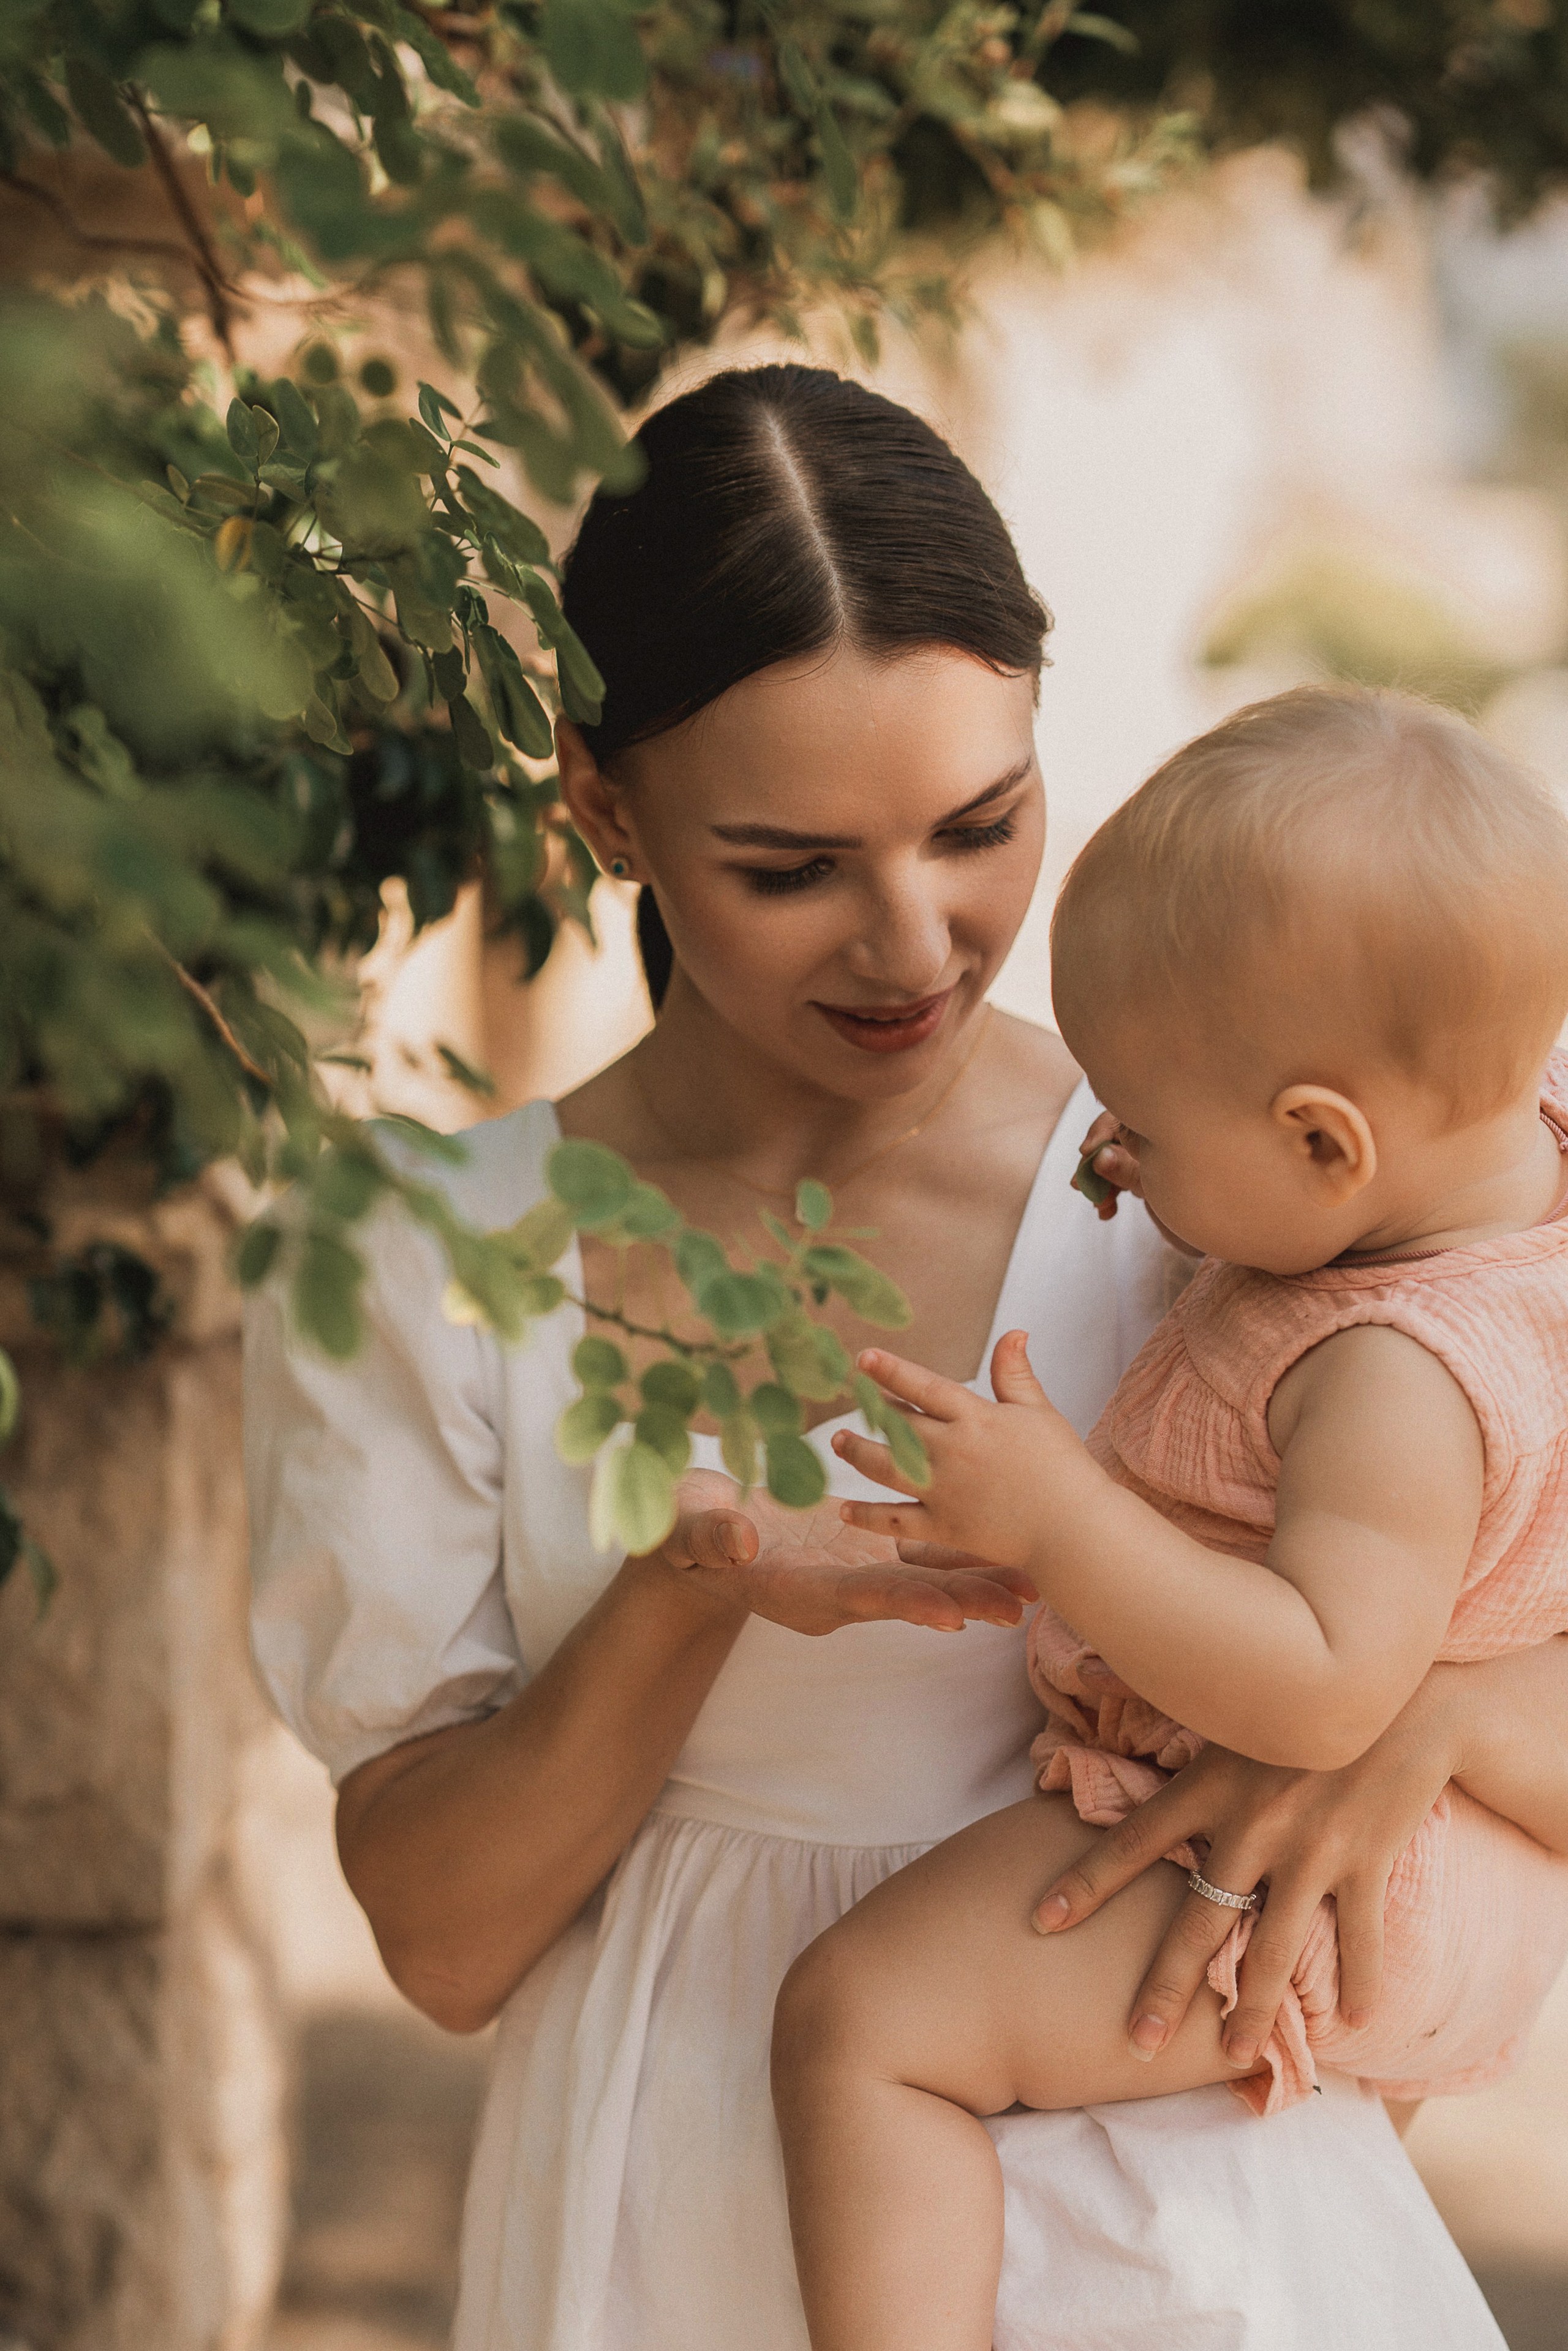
1477,1915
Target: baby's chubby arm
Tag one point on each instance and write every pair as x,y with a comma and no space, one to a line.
1303,1661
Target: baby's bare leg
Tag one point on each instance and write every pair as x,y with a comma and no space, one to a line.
931,2004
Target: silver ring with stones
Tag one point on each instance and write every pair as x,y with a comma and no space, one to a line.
1200,1885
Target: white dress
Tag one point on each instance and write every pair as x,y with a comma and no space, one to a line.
420,1548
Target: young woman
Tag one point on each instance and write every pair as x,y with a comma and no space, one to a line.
608,1804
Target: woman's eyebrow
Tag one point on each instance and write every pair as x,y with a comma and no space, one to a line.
775,836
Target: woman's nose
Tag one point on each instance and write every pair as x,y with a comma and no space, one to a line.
904,940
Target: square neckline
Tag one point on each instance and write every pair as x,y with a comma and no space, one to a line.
1035,1208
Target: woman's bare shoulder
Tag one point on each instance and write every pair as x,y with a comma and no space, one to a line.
1035,1061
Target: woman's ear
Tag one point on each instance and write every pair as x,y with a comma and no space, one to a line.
1326,1128
596,806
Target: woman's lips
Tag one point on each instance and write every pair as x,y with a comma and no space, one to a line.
888,1029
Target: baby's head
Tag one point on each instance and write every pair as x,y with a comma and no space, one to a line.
1315,965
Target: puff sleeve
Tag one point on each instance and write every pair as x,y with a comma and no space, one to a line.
375,1490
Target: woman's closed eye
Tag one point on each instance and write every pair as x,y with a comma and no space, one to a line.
776,881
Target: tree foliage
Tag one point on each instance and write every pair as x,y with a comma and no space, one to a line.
269,640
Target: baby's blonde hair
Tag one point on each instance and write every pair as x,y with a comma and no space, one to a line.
1338,867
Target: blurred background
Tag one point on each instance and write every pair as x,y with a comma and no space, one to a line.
1266,436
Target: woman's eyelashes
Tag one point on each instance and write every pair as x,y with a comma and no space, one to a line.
776,882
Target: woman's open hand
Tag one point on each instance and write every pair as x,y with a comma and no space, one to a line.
805,1570
1302,1834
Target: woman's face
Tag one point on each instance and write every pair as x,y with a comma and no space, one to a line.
843,849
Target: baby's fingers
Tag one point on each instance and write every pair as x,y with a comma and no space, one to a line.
872,1461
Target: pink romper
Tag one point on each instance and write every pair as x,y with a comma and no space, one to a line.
1476,1915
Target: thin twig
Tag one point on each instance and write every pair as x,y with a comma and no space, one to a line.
160,246
202,251
193,988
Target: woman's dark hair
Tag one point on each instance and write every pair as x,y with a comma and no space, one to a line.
784,510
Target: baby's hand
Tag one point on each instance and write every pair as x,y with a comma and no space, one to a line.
1105,1168
991,1464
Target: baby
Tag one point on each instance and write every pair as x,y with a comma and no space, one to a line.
1316,968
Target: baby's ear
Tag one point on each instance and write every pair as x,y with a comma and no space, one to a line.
1330,1130
1012,1380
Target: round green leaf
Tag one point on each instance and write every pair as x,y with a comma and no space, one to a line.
648,1213
326,1294
633,1499
598,1363
664,1429
737,1445
673,1384
775,1411
542,1233
240,425
795,1475
813,1205
861,1285
595,1184
584,1425
720,1394
258,1250
737,1303
698,1258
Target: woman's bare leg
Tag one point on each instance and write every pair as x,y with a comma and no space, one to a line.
932,2003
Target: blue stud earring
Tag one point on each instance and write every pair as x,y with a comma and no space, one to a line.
619,867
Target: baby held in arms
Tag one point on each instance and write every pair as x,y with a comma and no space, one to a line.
1316,967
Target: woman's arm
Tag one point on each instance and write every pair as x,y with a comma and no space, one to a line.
471,1849
1500,1729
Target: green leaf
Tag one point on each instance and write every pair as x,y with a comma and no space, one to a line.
10,1398
327,1294
584,1425
240,425
699,1258
673,1384
1095,1188
542,1233
866,1290
266,432
295,419
104,112
633,1499
837,166
345,1185
598,1363
737,1305
775,1410
737,1447
808,1359
257,1253
434,406
591,48
648,1213
794,1473
720,1394
662,1427
594,1183
271,20
904,1441
813,1205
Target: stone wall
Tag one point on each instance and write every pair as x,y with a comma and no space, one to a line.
142,2182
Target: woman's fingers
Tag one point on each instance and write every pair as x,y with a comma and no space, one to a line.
1269,1962
1178,1972
1123,1852
946,1560
872,1461
1359,1904
905,1521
